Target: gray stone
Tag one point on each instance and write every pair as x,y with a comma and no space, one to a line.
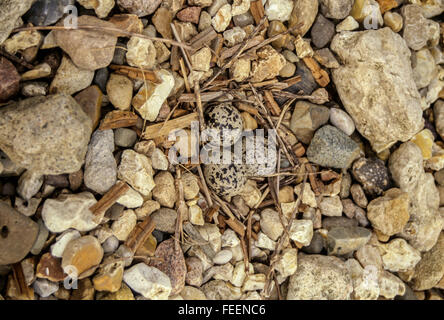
44,288
29,184
306,119
47,12
316,245
322,31
331,147
336,9
10,13
41,238
47,135
376,75
140,8
100,166
418,31
70,79
125,137
425,224
425,68
344,240
165,220
341,120
320,277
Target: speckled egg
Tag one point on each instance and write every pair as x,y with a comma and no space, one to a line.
223,119
262,160
226,180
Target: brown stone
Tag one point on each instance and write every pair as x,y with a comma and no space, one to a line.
49,267
18,234
127,22
88,49
190,14
90,100
172,263
76,180
85,291
148,248
84,254
9,84
109,277
162,21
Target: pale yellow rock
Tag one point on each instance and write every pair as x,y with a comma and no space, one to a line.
393,20
254,282
424,140
308,197
141,53
150,98
200,61
288,262
249,122
124,225
240,69
196,215
120,91
101,7
268,66
222,18
22,41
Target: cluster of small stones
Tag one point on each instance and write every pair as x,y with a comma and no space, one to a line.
369,223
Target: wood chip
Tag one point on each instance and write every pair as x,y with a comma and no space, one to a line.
140,234
110,198
118,119
320,75
195,236
136,73
164,129
20,281
257,10
203,39
271,103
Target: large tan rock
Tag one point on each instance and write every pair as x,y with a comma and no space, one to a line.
376,85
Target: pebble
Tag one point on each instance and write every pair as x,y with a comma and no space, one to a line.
194,272
344,240
304,12
430,270
10,79
331,206
254,282
279,9
18,234
240,70
70,79
418,31
320,277
301,231
44,288
165,191
268,66
41,238
85,290
390,285
162,21
240,7
140,8
390,213
126,254
109,277
34,89
101,7
10,13
90,50
372,174
172,263
288,262
306,119
394,21
131,199
148,281
358,195
123,226
141,53
211,233
40,146
316,245
406,168
222,18
46,12
399,256
381,131
196,215
336,9
29,184
308,197
91,100
221,290
341,120
70,211
127,22
271,224
223,257
192,293
189,14
424,68
156,93
190,185
242,20
264,242
27,208
322,31
331,147
348,24
82,255
50,268
200,61
215,5
165,220
204,21
234,36
22,40
120,91
326,58
100,166
62,240
135,169
124,137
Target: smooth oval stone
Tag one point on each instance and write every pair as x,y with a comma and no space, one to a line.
47,12
17,235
